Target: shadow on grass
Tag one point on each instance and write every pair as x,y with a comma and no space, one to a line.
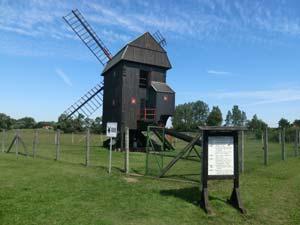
191,195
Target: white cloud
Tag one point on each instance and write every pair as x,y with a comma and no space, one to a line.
232,22
260,97
64,77
249,98
219,73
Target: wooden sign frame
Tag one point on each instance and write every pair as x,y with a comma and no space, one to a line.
235,199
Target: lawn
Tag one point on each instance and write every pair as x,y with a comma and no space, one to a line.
44,191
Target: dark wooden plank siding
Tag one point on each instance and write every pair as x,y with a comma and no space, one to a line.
130,91
165,107
112,96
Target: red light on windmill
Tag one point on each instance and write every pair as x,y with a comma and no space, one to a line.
133,101
165,98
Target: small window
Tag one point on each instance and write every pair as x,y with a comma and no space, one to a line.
144,78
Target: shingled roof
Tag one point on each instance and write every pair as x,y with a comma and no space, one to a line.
144,49
161,87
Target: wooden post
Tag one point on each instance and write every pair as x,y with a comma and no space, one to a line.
122,136
55,138
262,137
126,150
279,136
283,144
87,156
17,142
266,147
242,167
72,138
110,155
35,142
57,144
3,141
296,143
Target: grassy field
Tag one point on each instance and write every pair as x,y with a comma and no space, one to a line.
44,191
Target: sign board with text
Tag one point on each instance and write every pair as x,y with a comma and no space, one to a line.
220,155
221,161
112,129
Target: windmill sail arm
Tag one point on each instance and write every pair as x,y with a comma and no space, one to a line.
88,36
88,104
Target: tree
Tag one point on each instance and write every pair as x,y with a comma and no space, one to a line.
65,124
215,117
5,121
256,124
244,118
236,117
24,123
182,119
296,123
199,114
189,116
228,120
96,125
283,123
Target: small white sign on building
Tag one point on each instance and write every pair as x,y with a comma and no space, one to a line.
112,129
220,155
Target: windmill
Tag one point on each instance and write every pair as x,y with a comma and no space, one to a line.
93,99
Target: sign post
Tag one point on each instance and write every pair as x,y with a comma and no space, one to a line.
220,161
111,132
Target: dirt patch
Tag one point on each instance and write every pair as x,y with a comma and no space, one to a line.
130,179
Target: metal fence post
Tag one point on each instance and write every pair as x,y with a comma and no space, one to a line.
35,142
283,143
126,150
57,144
3,140
87,155
242,151
296,143
266,147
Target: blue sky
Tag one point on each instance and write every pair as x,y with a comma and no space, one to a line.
222,52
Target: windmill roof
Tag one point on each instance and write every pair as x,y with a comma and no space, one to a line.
145,49
161,87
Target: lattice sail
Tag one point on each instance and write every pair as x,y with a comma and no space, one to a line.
85,32
159,38
88,104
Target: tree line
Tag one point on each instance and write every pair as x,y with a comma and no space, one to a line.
189,116
69,125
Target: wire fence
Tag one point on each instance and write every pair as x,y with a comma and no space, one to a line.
256,150
54,145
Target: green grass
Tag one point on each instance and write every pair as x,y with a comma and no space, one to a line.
44,191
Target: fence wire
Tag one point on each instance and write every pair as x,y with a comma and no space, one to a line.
72,149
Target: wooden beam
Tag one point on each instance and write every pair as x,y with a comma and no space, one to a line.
185,150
